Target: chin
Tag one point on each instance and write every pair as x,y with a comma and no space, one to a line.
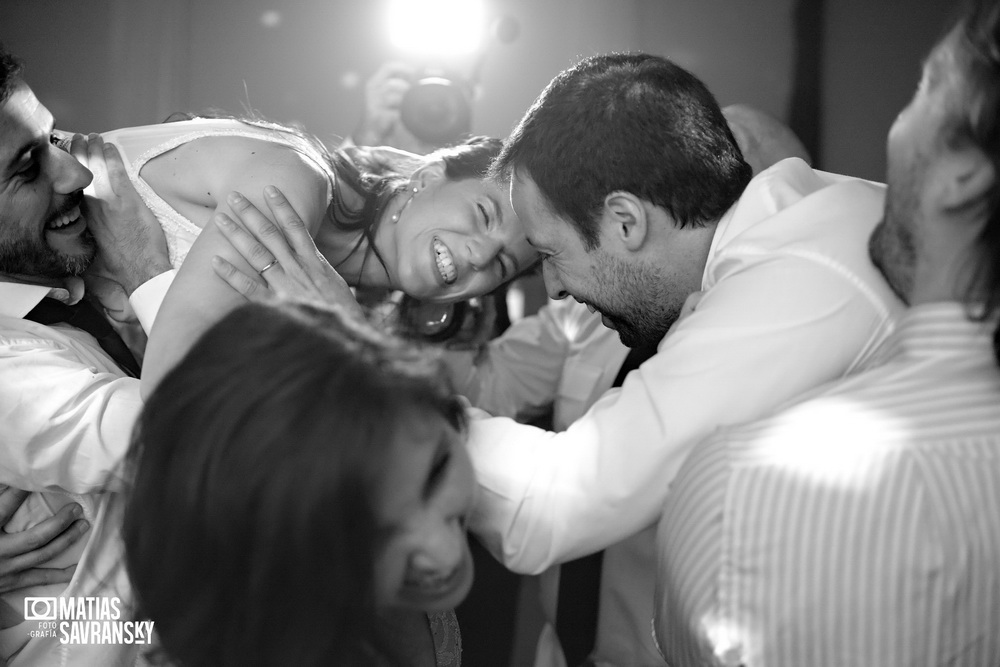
447,598
454,598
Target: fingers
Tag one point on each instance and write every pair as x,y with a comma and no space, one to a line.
20,551
97,164
115,166
78,149
310,265
268,241
294,230
38,576
394,74
254,252
389,94
301,270
240,281
104,161
61,139
10,500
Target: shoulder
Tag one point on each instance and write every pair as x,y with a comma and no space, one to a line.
204,171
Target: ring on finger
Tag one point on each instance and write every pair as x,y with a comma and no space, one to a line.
271,265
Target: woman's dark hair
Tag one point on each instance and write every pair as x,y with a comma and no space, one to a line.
249,531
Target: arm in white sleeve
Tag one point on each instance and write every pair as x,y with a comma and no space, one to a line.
66,421
760,337
518,373
147,297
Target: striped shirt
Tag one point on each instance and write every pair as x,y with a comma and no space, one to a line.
861,527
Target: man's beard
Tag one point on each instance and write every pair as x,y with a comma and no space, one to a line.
892,246
640,329
34,257
642,311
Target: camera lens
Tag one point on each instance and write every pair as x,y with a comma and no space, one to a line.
436,110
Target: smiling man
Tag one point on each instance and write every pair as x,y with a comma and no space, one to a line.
66,406
43,236
631,185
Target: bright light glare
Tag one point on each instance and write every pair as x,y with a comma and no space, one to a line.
439,27
726,638
835,441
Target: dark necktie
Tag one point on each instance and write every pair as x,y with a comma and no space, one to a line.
580,579
83,315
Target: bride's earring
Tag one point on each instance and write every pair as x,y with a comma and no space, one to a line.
395,216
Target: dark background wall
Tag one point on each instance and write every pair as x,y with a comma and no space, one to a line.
100,64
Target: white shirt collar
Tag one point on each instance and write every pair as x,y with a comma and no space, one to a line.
17,299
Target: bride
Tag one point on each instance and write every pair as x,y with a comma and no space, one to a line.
431,226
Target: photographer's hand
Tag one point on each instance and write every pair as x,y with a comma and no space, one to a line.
381,123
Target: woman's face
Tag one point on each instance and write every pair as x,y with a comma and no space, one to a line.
428,489
457,239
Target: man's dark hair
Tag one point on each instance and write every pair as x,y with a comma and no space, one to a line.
10,73
627,122
975,44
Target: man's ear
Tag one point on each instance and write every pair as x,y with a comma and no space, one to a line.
428,174
628,216
966,178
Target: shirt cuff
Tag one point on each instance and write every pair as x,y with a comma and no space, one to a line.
147,297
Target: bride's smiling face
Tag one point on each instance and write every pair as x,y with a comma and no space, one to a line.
455,239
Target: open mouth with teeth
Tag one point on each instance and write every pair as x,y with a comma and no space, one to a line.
65,222
445,262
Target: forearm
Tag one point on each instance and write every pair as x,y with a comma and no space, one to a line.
520,371
67,423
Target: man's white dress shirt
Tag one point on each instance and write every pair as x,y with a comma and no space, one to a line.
861,527
66,417
791,301
562,359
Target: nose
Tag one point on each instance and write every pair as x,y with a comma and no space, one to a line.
483,250
553,287
442,549
68,175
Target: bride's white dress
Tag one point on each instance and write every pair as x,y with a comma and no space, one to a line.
139,145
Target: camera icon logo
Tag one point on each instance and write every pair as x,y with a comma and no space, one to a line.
40,609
